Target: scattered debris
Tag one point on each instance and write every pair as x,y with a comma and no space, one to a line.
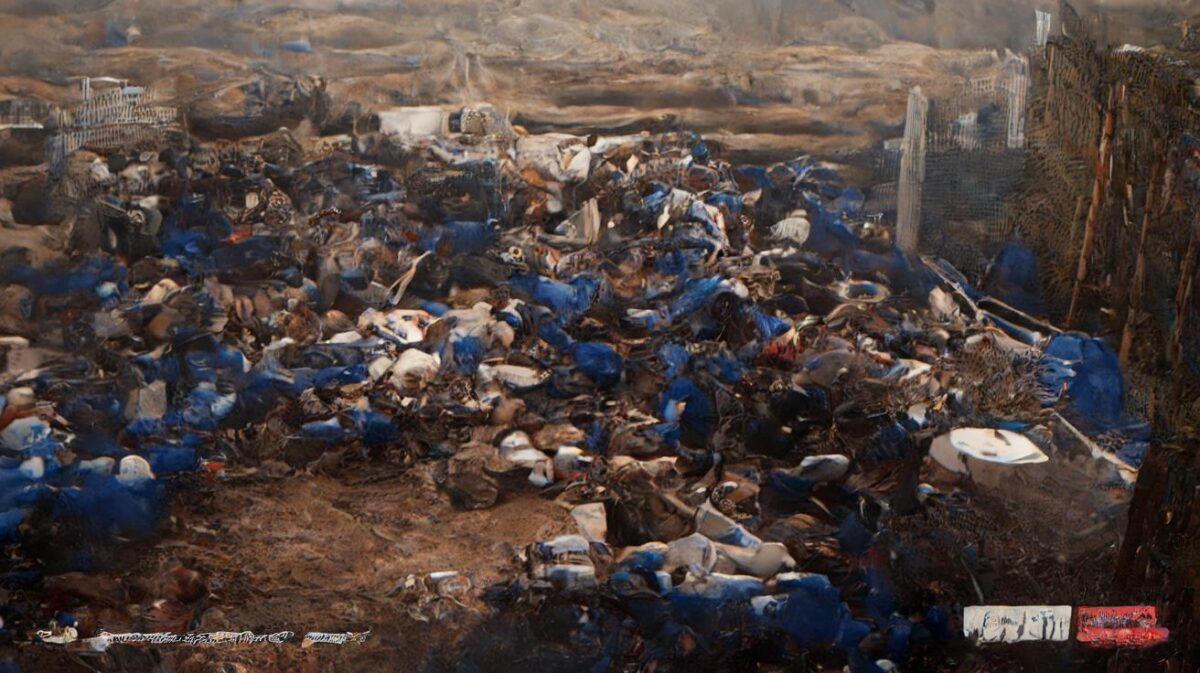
747,407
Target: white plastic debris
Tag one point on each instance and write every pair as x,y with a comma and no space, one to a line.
99,171
161,290
764,561
149,401
913,368
794,228
514,441
1003,342
717,527
823,467
580,165
568,460
414,369
344,337
517,449
584,224
664,581
541,152
134,470
572,577
693,552
417,121
450,582
568,546
33,468
278,344
502,333
591,520
24,432
926,491
101,465
541,468
396,292
67,635
996,446
397,325
515,377
943,307
919,413
942,452
989,445
379,366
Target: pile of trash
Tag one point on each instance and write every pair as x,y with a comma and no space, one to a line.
729,373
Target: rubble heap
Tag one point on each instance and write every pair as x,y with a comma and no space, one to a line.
728,373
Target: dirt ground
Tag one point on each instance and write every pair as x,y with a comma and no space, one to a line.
329,553
319,553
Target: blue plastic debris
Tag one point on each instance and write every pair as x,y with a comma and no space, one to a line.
1086,373
461,238
881,594
1013,278
686,405
810,611
1091,374
849,202
208,360
701,604
87,276
599,361
899,638
171,458
10,521
106,506
1093,367
675,357
853,537
205,407
374,428
696,294
568,300
328,430
769,326
467,352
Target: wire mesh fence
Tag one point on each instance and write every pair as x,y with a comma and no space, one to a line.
121,117
1130,284
1014,155
961,157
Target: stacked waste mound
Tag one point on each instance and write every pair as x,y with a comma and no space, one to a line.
732,388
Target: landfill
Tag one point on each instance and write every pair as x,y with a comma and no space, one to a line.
772,435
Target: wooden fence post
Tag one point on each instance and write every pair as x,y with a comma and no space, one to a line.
1183,292
1099,190
912,173
1017,89
1149,216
